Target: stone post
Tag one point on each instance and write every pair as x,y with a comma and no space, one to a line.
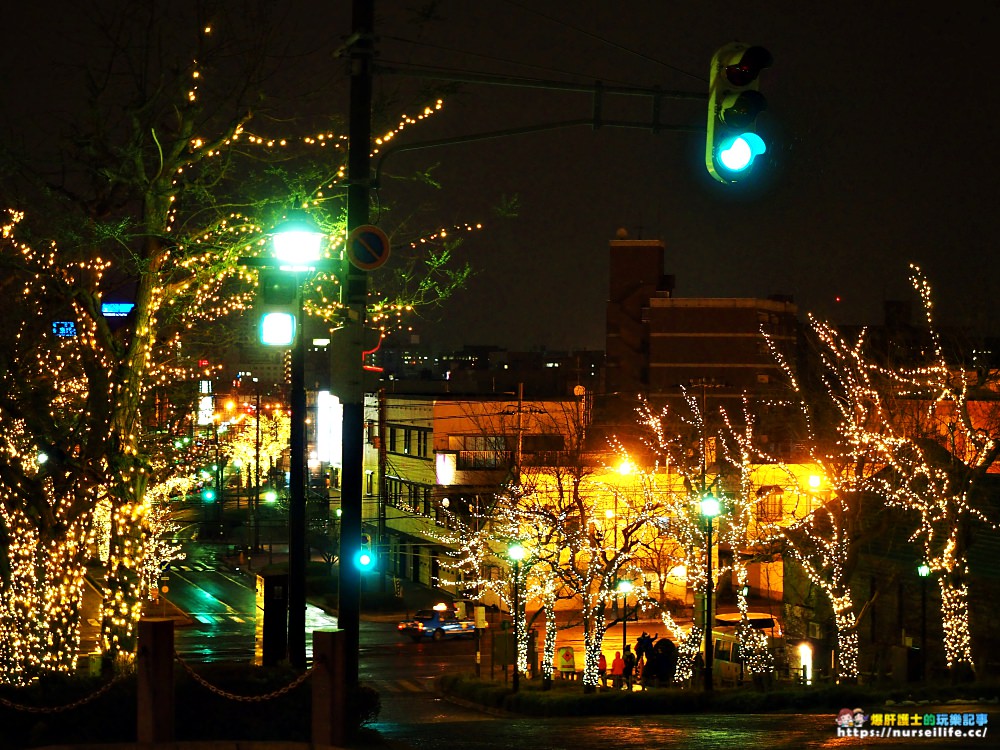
155,674
329,720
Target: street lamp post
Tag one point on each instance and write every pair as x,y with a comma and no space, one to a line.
297,244
710,508
923,570
624,587
256,470
516,553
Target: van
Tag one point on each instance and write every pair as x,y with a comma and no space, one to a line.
728,665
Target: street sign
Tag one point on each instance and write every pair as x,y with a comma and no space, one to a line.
367,247
566,660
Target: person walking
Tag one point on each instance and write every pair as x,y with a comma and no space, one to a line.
617,670
602,670
629,667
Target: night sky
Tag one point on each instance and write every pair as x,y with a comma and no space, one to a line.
881,128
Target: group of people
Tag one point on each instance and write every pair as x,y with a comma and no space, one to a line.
653,663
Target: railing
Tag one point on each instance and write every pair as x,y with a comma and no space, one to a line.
154,676
472,460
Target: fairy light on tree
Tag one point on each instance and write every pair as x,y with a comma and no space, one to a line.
950,441
926,443
171,207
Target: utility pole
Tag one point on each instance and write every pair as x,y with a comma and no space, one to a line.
383,460
520,434
360,53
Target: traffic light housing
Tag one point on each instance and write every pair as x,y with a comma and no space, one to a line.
277,307
734,102
364,558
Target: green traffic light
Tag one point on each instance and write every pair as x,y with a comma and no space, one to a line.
364,560
738,153
208,495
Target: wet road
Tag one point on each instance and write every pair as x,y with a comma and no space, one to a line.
697,732
221,604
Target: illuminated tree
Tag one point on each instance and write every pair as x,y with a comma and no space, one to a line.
173,171
946,440
915,434
683,446
845,426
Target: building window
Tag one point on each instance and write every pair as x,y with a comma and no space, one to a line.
770,503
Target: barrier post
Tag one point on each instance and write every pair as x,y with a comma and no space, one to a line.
155,674
328,689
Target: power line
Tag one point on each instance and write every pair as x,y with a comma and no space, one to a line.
491,58
604,40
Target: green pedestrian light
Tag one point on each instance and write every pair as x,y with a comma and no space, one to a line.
278,305
364,560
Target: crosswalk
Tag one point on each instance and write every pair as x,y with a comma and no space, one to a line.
398,686
216,618
190,567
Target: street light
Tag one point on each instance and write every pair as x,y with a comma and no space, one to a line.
923,570
297,243
624,587
710,508
516,553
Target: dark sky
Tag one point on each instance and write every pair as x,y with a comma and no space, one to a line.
881,122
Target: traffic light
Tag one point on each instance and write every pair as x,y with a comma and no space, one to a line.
734,101
364,558
208,495
278,307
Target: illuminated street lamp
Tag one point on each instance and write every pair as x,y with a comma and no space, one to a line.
516,553
710,508
297,245
624,587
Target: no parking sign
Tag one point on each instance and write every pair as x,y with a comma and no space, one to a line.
367,247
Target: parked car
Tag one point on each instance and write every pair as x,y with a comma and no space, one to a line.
437,624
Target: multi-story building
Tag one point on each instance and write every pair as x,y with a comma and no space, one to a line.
444,458
658,343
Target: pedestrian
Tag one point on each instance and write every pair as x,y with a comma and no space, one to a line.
617,670
602,670
629,659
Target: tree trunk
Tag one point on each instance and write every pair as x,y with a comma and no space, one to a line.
847,645
955,622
